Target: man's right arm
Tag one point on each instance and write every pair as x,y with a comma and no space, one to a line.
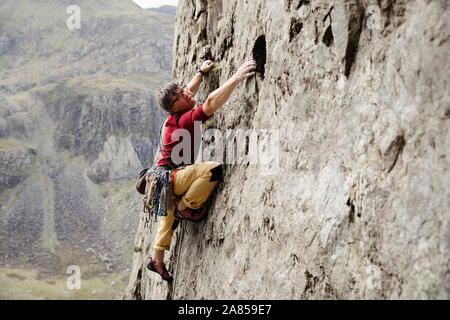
218,97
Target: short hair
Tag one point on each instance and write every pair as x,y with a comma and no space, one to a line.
165,93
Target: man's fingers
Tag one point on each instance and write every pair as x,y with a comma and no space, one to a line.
208,63
250,64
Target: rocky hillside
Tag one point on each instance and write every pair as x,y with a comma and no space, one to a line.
357,206
169,10
78,121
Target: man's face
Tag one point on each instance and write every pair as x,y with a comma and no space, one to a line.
183,100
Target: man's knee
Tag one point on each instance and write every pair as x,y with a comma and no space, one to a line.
216,173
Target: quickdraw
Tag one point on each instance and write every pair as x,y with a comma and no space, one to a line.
158,194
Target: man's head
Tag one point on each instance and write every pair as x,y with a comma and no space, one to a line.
174,98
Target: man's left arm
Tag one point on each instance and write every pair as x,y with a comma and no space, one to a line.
195,82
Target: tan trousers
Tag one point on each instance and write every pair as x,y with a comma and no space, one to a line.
194,184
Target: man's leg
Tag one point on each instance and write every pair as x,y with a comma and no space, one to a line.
163,239
195,183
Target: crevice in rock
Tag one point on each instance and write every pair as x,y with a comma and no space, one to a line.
202,37
351,216
328,38
298,5
200,10
354,31
394,14
328,15
295,29
447,113
137,287
259,54
311,282
394,151
170,291
228,39
226,45
316,33
188,47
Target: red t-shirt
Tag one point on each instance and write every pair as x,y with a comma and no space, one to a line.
177,121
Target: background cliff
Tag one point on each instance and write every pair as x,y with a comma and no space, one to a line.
78,121
358,207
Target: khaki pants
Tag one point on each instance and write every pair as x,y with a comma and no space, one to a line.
194,183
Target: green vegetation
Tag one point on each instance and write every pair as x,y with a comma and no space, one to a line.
11,144
209,123
19,284
216,68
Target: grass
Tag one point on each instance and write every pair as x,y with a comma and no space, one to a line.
28,284
98,83
209,123
216,68
11,144
15,103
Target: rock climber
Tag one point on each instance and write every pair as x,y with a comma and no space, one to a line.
191,184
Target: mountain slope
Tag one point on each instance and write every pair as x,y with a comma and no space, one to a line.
170,10
78,121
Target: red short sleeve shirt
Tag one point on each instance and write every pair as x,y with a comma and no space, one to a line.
180,121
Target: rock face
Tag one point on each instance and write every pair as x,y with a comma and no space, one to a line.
357,205
78,121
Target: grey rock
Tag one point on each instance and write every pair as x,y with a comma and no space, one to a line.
358,207
7,43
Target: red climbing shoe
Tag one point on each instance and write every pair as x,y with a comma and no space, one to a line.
191,214
161,270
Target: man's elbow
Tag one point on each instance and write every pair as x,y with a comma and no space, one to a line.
208,107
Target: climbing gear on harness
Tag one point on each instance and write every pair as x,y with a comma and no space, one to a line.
167,276
156,185
158,192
